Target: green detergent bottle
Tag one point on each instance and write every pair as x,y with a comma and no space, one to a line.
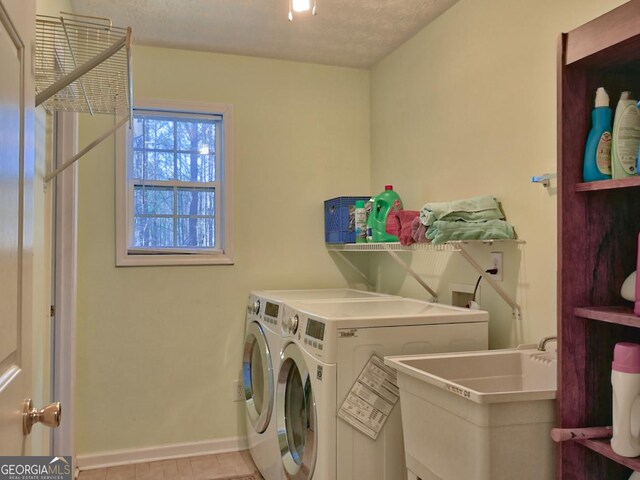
382,205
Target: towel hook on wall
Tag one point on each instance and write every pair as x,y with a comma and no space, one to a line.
544,179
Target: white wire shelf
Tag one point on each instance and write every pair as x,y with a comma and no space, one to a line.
453,246
459,246
82,64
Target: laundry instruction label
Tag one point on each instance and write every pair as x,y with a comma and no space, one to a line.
371,398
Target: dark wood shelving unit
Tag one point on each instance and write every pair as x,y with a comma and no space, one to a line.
598,225
617,315
603,447
608,184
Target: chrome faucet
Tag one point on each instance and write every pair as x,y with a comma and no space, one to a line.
542,346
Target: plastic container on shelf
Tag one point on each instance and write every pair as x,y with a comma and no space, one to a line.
361,222
597,153
339,219
625,379
636,300
625,139
382,206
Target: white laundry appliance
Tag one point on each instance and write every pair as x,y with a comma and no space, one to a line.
326,346
261,361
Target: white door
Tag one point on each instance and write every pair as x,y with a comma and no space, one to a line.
17,24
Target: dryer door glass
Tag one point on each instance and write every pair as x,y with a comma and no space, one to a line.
296,416
257,377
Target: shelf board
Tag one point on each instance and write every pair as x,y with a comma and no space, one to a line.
395,246
608,184
618,315
603,447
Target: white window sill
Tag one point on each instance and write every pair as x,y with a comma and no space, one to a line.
131,260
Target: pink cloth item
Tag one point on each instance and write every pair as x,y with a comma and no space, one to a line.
418,231
403,223
392,227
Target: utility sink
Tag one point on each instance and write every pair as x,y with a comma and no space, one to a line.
478,415
487,377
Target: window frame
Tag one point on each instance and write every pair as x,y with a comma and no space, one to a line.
223,253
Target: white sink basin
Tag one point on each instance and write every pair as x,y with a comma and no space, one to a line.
487,377
478,415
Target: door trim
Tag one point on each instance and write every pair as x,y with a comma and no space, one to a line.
65,233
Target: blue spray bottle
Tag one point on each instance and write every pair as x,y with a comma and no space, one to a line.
597,154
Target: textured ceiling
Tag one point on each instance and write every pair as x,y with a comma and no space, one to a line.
354,33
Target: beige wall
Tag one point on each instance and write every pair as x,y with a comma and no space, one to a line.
160,347
52,7
468,107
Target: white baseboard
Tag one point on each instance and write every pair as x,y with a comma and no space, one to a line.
162,452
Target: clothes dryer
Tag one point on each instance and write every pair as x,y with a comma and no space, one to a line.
326,346
261,361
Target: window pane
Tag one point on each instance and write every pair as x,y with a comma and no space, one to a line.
196,232
153,200
138,165
153,232
193,167
196,201
196,136
158,166
159,134
138,132
172,167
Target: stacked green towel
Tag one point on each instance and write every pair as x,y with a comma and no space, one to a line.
475,209
442,231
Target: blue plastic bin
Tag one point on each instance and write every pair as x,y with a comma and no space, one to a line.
339,219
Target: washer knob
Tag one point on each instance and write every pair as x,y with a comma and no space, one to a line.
293,324
255,308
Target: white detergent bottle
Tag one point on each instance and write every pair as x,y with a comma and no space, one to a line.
625,138
625,379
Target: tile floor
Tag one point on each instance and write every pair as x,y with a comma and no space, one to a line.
234,465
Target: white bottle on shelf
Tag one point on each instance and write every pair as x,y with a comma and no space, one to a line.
625,137
625,379
361,222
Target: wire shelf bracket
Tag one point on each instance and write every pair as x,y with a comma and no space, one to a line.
453,246
83,65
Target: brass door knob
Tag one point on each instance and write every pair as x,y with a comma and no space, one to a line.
48,416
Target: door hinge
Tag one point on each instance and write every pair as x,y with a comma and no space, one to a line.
52,312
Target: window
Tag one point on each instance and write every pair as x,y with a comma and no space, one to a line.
174,185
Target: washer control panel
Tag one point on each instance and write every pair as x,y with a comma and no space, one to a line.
314,334
264,310
292,324
311,333
271,311
254,307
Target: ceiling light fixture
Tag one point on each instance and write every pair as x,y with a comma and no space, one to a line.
300,6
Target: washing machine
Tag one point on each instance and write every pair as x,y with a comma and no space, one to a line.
325,347
261,361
